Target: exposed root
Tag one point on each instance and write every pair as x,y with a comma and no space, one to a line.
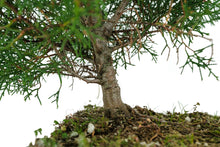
112,112
135,112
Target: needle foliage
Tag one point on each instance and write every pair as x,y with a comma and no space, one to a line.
43,37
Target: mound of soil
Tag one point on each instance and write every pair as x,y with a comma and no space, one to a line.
145,128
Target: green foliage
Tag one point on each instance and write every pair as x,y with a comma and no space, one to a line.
49,142
56,122
202,62
38,131
29,30
43,37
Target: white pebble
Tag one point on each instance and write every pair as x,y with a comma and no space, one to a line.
153,144
91,128
187,119
143,144
74,134
198,126
198,143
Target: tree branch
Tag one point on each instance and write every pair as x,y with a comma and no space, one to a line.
84,78
14,9
21,18
108,26
71,71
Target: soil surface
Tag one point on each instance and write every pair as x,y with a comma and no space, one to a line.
144,128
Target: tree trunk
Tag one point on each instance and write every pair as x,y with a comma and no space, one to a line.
107,75
111,92
103,60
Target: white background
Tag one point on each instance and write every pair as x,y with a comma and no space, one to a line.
157,86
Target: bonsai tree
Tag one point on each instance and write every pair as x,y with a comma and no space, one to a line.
89,39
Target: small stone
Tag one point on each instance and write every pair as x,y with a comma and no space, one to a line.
187,119
157,143
135,128
198,126
91,128
163,121
198,143
74,134
206,144
154,144
143,144
148,120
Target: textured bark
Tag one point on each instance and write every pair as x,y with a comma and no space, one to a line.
104,65
107,75
111,89
111,92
